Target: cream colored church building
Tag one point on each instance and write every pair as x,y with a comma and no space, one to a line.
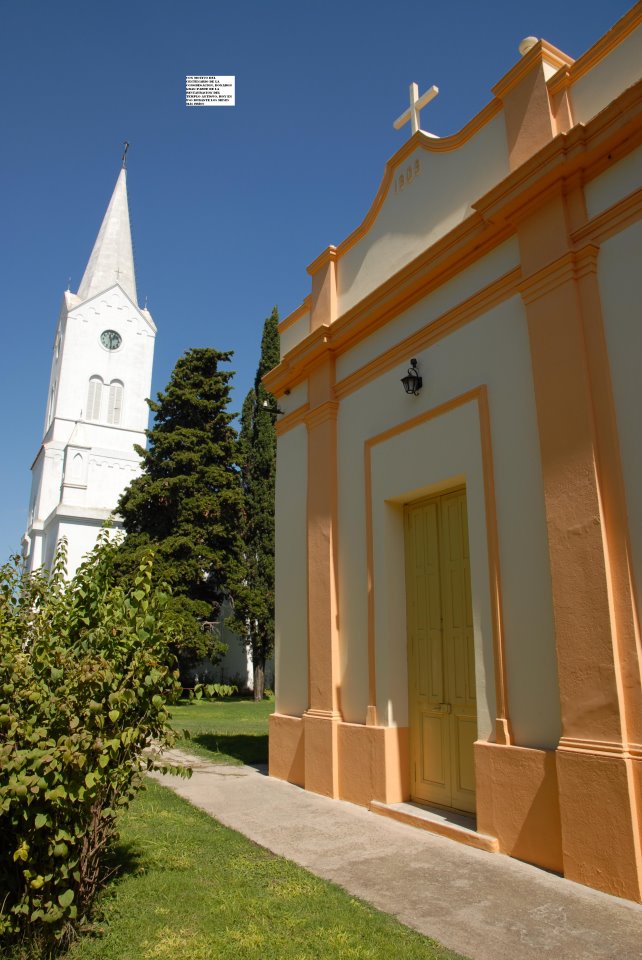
459,568
101,370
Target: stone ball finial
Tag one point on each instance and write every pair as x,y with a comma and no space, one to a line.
527,44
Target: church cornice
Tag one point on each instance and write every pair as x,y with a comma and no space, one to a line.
142,312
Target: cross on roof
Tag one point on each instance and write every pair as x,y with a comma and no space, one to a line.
416,104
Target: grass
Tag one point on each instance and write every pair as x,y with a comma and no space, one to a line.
231,731
191,889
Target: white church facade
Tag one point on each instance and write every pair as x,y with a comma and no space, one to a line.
101,373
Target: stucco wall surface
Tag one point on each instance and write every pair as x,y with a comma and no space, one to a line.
621,179
291,616
620,69
496,264
493,350
620,280
296,398
295,333
436,199
84,357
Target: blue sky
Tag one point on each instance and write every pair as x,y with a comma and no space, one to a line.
228,204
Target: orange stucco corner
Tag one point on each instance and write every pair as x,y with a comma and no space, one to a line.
600,828
517,802
286,739
373,763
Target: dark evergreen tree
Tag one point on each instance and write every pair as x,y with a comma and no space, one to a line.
254,599
187,503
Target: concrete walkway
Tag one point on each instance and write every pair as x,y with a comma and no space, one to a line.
484,905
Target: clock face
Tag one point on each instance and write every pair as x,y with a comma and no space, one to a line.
110,339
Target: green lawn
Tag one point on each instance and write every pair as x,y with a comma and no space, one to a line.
225,731
191,889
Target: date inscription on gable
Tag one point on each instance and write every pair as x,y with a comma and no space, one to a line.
404,178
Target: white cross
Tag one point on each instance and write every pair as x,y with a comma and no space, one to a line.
416,104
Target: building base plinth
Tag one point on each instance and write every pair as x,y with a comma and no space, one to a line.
517,802
349,761
286,748
600,828
321,753
373,764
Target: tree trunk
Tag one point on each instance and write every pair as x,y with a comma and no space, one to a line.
259,678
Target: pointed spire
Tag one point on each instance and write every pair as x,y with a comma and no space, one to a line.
112,259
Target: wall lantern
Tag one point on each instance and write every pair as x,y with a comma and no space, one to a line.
412,382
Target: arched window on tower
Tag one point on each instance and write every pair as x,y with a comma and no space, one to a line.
115,406
94,398
76,468
52,403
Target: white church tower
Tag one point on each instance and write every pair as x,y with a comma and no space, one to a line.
101,373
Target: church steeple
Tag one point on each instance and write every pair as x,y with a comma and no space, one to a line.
96,415
112,259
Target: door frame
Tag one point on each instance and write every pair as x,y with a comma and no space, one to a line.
443,716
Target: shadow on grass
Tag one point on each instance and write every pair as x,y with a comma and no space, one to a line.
124,859
244,747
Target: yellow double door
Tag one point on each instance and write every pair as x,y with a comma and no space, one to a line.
441,655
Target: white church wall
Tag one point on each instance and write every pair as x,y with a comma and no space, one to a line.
444,450
108,476
291,658
51,462
293,333
81,533
493,351
84,357
483,272
296,398
619,69
436,198
620,280
621,179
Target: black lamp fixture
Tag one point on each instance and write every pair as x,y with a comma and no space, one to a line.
412,382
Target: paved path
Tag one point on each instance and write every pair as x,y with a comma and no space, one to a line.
486,906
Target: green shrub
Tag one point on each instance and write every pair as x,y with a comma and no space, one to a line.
85,674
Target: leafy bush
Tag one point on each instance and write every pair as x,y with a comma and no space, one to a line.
86,674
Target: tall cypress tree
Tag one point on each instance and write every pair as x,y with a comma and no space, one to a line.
187,503
254,611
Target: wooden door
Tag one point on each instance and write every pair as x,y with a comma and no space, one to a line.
441,656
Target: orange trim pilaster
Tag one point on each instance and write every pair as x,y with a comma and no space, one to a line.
593,606
323,714
528,113
323,302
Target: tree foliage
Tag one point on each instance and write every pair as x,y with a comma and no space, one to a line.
85,675
254,614
187,502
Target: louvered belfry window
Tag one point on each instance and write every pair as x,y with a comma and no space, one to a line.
115,406
94,398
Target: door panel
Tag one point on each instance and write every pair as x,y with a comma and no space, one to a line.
443,717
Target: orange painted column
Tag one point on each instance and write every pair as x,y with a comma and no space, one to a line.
323,715
593,605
